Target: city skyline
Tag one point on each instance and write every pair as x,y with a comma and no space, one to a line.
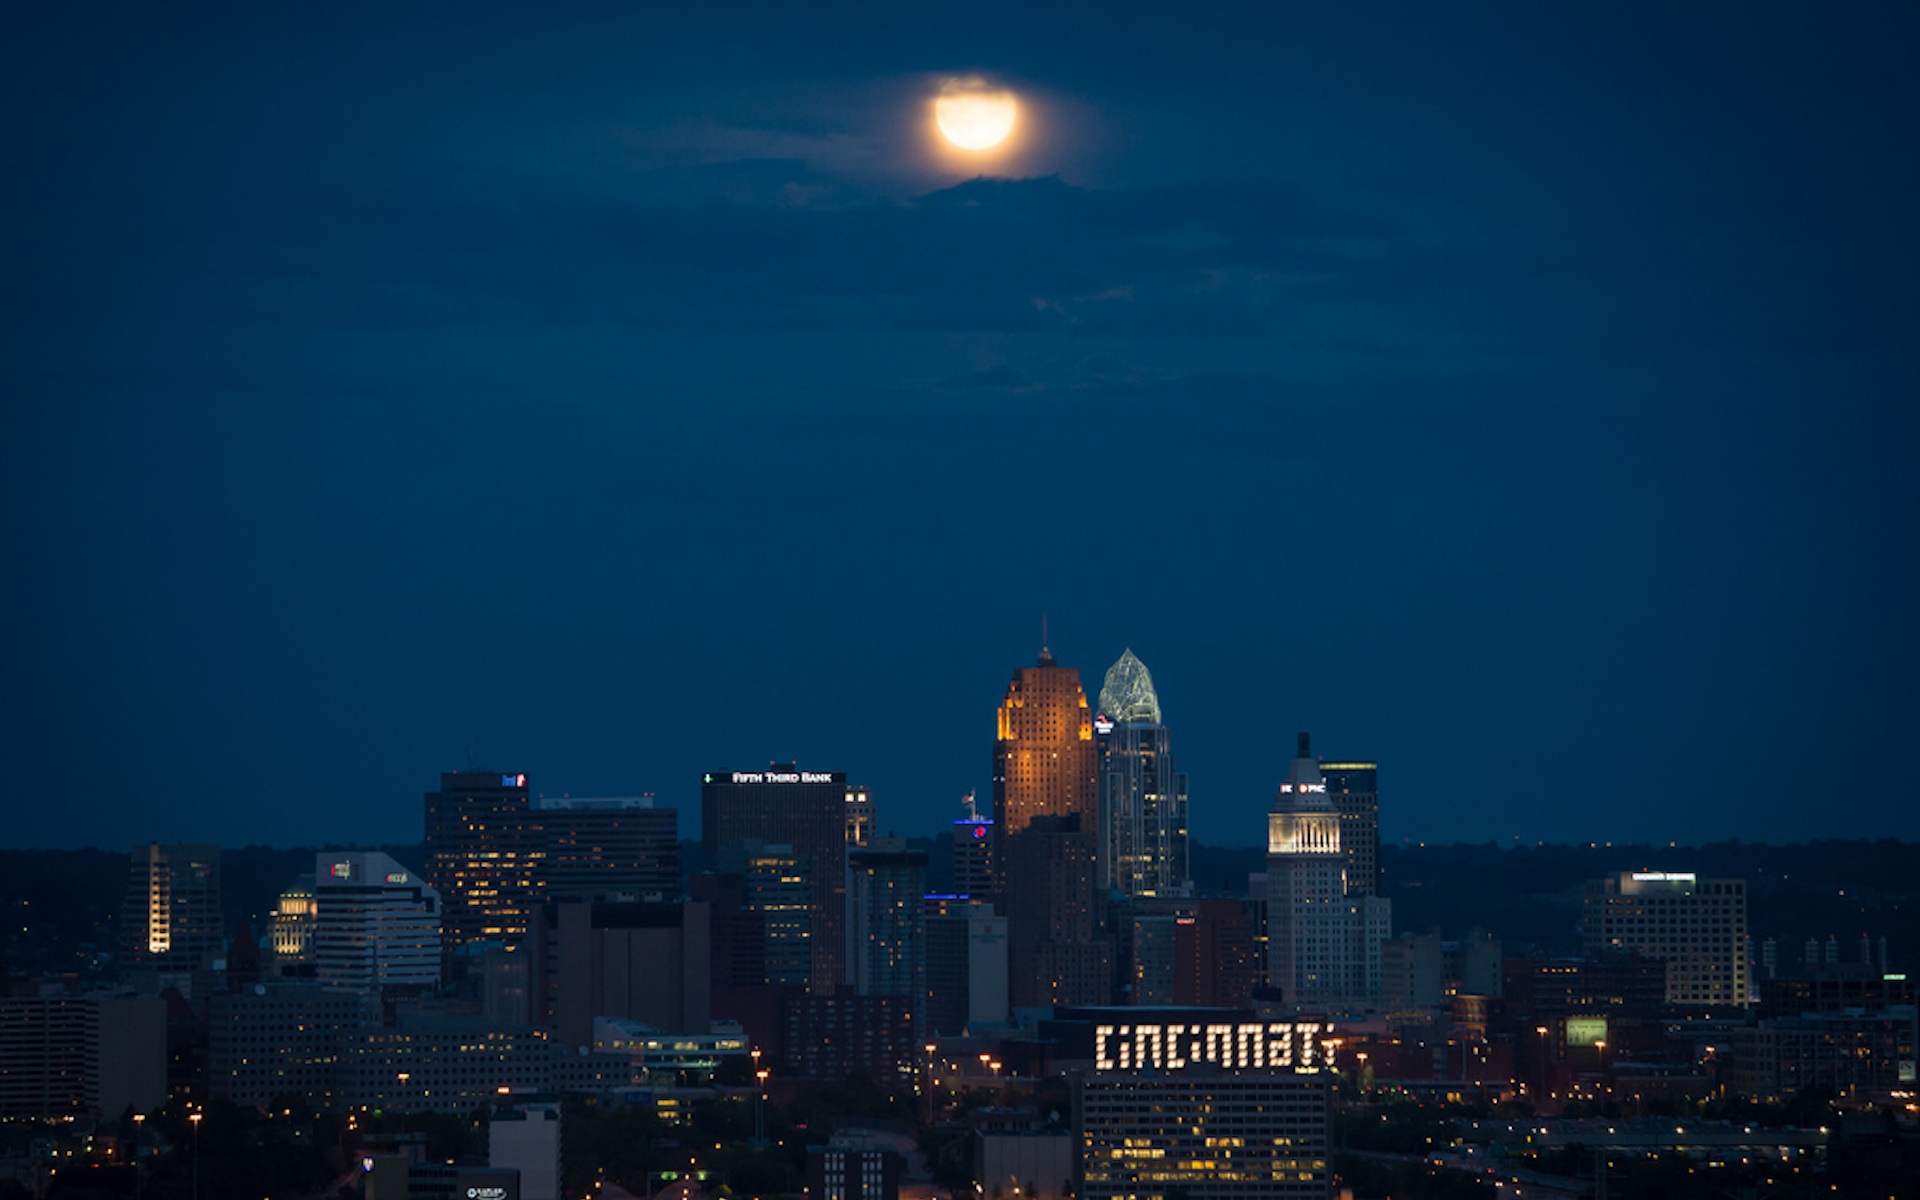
1519,401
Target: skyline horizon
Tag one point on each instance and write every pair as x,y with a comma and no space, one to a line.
689,810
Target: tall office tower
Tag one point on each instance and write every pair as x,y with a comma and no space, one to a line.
617,848
1143,800
484,857
1058,951
1043,760
973,858
1698,926
966,965
172,915
63,1054
376,924
780,893
292,926
1323,949
738,931
859,816
647,961
802,809
1354,790
886,920
1156,960
1214,949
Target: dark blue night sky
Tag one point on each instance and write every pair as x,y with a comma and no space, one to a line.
1523,397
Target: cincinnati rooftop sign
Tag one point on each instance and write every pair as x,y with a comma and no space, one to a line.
1248,1045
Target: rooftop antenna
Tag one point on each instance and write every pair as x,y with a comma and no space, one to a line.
1046,655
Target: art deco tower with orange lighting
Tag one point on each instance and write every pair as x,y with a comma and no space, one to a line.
1044,759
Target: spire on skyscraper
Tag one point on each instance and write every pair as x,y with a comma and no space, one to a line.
1305,789
1127,695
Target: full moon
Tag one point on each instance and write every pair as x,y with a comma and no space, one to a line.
975,117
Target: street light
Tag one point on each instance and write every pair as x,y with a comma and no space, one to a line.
139,1124
760,1111
195,1118
1541,1053
929,1081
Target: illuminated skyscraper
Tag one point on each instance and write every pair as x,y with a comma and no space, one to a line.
1044,762
1323,949
781,895
620,847
973,858
1143,800
886,920
292,928
376,924
806,810
1353,788
859,816
1169,1110
1697,926
172,915
484,857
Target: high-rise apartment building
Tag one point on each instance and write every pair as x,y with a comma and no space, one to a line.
484,857
614,848
886,919
1323,948
1354,789
1044,763
804,810
1143,800
172,915
376,924
1697,926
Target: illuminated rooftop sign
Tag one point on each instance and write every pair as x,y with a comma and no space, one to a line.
776,777
1253,1045
1663,876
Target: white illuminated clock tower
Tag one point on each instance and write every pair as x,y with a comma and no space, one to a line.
1323,948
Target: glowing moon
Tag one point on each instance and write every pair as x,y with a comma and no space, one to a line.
974,116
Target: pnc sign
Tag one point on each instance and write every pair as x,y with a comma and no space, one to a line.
1298,1046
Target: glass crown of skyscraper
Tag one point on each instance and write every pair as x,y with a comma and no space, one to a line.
1127,695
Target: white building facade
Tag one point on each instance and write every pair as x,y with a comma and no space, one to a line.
376,924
